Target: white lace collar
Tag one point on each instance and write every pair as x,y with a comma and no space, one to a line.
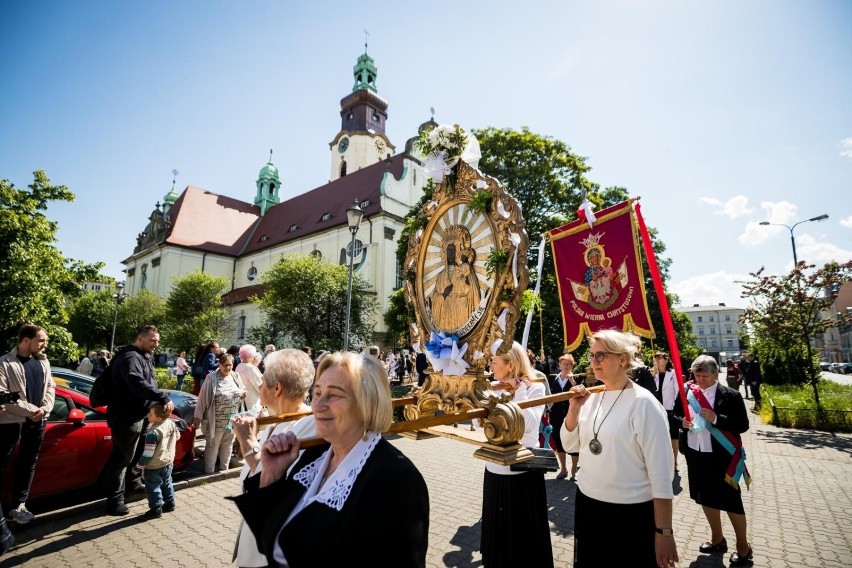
336,490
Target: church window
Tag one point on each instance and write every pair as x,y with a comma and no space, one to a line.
700,319
375,116
294,228
131,272
364,204
342,168
398,280
155,262
349,116
355,248
389,233
271,188
264,238
252,274
325,217
316,254
241,327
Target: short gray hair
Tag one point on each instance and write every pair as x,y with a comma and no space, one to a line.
705,364
290,368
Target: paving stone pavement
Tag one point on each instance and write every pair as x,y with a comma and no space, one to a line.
799,511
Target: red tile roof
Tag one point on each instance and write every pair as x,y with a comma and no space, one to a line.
206,221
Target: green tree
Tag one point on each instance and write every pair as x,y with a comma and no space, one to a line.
305,304
141,309
90,319
785,312
36,280
194,312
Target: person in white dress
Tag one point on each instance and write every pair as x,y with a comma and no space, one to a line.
251,377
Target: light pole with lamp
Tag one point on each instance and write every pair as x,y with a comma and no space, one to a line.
792,238
354,215
119,297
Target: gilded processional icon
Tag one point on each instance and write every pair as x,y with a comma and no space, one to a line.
465,273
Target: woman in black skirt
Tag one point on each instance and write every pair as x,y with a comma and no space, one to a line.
707,460
515,529
626,476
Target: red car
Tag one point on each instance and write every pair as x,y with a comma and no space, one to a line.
77,443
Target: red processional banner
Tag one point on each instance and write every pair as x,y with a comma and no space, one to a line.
599,275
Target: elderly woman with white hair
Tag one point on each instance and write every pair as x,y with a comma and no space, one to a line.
283,389
715,458
251,377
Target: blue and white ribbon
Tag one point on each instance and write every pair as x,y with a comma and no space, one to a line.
445,355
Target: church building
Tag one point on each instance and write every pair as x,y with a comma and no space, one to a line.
226,236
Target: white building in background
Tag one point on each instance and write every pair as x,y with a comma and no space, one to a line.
239,240
717,328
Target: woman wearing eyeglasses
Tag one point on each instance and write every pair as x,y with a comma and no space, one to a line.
627,464
667,387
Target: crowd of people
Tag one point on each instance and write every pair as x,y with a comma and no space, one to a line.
624,443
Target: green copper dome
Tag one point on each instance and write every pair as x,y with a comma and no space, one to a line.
268,171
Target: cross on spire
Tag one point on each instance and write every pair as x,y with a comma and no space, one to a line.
366,37
174,178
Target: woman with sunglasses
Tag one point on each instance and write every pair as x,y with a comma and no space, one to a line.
667,387
627,464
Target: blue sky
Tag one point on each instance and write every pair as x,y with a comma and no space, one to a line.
719,114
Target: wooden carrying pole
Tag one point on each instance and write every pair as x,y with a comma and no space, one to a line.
443,419
290,416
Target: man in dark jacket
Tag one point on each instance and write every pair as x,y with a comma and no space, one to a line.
134,389
752,377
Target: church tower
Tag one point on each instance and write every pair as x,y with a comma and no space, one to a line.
361,141
268,185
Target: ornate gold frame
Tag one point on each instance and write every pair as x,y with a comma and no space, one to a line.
503,227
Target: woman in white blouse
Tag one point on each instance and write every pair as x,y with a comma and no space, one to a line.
627,464
521,537
251,377
667,385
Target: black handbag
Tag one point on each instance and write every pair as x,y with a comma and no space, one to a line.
544,459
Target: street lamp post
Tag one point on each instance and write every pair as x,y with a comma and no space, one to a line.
119,297
793,238
354,215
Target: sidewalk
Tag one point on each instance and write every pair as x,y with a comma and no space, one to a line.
799,511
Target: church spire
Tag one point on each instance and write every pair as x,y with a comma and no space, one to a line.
171,196
268,185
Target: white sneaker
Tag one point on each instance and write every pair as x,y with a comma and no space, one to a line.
21,516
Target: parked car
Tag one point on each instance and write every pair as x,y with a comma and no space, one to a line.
846,368
184,402
78,441
836,368
825,366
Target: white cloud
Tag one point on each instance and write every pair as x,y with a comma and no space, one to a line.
736,206
781,212
710,289
847,222
817,251
846,147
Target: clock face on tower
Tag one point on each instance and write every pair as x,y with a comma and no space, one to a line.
343,145
380,146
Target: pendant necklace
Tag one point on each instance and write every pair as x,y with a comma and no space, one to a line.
595,446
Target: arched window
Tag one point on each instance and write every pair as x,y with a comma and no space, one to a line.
342,168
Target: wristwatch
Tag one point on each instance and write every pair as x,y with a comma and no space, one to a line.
664,532
251,452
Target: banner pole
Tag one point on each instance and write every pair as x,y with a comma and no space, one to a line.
654,269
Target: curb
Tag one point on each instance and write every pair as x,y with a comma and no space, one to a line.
98,505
